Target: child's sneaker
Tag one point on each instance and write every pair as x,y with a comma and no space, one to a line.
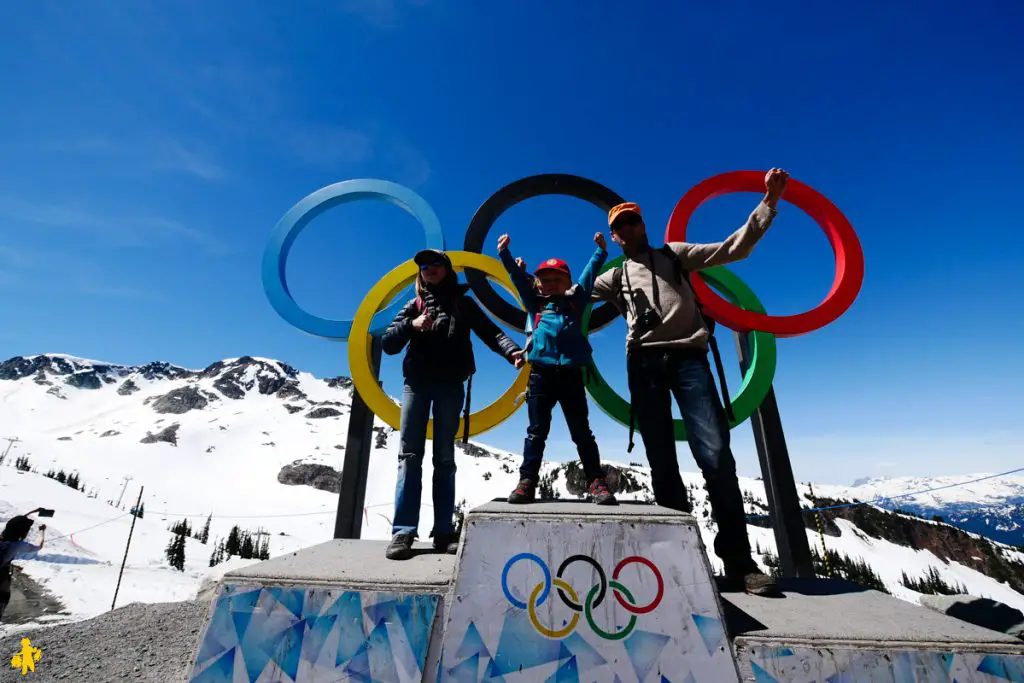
526,492
600,493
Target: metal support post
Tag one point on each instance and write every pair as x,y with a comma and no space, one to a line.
356,466
779,484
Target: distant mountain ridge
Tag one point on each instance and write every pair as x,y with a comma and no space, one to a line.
993,508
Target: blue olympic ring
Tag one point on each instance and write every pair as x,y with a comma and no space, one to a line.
299,216
547,579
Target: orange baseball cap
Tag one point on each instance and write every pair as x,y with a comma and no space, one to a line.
628,207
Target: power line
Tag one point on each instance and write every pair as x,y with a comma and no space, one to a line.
113,519
217,516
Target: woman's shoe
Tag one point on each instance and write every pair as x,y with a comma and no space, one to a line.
400,547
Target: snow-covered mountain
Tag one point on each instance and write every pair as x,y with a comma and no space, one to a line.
257,443
993,508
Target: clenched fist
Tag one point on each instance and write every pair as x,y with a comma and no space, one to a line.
599,239
774,185
503,242
423,323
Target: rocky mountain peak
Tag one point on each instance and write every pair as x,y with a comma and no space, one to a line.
77,372
236,377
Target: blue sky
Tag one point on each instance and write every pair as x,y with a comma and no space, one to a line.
149,150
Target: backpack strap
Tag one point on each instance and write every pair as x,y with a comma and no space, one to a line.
465,410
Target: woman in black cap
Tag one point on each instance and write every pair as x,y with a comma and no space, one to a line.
436,326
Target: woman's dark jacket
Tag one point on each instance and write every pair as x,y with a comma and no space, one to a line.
439,354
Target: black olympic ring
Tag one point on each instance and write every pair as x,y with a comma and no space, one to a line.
504,199
575,606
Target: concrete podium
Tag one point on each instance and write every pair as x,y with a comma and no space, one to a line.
564,592
572,591
338,611
833,631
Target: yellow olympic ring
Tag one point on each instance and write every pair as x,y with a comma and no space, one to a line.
532,607
359,347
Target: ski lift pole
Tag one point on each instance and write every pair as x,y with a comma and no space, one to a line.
127,545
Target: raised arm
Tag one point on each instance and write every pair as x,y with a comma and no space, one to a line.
399,331
738,245
489,333
588,277
523,283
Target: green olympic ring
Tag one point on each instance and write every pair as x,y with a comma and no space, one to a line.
757,380
588,611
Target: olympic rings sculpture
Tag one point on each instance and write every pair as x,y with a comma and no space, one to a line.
739,310
540,593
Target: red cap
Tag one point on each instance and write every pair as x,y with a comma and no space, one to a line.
554,264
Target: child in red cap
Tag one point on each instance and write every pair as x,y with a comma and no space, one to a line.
559,354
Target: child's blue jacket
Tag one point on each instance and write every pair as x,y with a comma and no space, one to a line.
558,335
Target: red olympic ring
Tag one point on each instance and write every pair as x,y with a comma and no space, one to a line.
649,607
849,255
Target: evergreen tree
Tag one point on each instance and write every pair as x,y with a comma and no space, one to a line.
73,481
181,528
204,535
50,474
61,477
247,546
172,551
178,559
460,516
233,546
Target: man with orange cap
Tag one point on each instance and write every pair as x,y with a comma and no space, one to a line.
666,355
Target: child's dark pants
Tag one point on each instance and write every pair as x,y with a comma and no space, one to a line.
562,385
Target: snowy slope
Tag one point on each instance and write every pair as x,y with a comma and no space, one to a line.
239,422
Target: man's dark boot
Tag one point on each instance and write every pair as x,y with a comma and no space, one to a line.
526,492
400,547
754,581
446,543
600,493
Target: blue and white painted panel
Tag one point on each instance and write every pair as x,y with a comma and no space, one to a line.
314,635
581,600
767,664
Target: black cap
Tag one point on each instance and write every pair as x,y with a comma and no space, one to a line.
430,256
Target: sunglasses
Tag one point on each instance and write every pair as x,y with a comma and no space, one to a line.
624,224
424,266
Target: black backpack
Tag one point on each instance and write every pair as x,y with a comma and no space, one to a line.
681,274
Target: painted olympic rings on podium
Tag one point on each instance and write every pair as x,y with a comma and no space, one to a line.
359,346
841,235
275,255
757,380
570,598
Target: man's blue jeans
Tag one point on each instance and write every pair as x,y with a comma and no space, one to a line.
655,376
446,399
